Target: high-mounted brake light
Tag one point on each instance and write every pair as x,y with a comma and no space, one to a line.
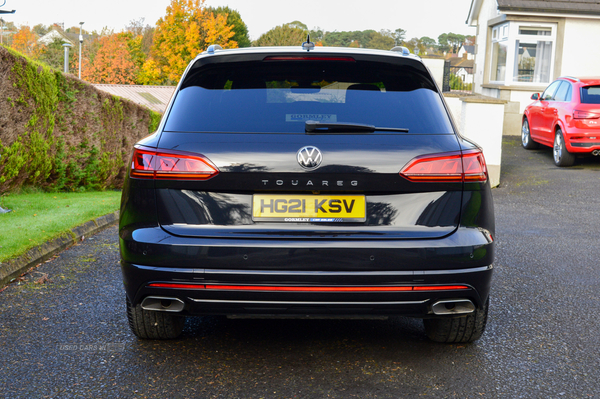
468,166
307,58
577,114
170,165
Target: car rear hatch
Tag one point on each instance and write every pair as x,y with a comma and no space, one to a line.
301,145
587,114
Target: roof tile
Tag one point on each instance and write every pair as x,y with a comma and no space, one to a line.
551,6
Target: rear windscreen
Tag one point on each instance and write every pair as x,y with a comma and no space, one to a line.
280,96
590,95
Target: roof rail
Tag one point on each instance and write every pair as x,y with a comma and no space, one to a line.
401,49
571,77
212,48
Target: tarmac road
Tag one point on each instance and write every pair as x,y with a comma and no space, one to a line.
64,333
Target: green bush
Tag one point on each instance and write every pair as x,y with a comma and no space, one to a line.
456,83
60,133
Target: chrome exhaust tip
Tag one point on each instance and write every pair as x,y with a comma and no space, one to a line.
596,153
162,304
453,307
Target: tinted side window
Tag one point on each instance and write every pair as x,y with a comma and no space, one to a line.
564,92
548,94
280,96
590,95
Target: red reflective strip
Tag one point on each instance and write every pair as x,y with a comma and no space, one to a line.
441,288
176,285
307,289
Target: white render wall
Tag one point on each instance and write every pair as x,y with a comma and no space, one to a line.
436,67
523,98
481,120
455,106
581,54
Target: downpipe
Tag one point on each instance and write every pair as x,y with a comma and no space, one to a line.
453,307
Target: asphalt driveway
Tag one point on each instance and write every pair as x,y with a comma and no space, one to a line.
64,333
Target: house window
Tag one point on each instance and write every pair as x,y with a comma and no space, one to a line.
499,61
526,49
499,52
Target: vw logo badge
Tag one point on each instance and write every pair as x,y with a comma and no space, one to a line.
309,157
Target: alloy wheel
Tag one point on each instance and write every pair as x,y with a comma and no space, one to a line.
558,148
525,134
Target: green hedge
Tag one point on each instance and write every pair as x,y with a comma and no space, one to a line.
60,133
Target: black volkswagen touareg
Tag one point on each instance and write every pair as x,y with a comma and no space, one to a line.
307,181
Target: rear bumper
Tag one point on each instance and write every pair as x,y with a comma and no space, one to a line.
238,292
582,140
307,277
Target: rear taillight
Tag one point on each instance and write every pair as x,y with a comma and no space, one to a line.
170,165
468,166
577,114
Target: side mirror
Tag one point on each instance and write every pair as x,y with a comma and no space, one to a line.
535,96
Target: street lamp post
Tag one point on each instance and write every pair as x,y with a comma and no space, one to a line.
66,46
80,43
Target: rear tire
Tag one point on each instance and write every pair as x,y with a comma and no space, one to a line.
148,324
468,328
562,157
526,140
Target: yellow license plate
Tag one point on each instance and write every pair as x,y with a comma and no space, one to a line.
309,208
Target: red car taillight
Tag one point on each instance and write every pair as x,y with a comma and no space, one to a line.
468,166
577,114
172,165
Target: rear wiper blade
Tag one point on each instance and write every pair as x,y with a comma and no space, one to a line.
341,127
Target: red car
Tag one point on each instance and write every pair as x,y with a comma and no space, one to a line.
565,117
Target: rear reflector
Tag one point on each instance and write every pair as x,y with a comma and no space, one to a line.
468,166
170,165
270,288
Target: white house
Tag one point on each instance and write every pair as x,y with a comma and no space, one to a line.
52,35
523,45
463,67
468,50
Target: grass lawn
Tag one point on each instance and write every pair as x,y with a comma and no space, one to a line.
39,217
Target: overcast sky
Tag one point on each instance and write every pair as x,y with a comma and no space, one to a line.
419,18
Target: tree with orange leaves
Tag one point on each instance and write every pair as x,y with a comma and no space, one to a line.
185,31
25,41
112,63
